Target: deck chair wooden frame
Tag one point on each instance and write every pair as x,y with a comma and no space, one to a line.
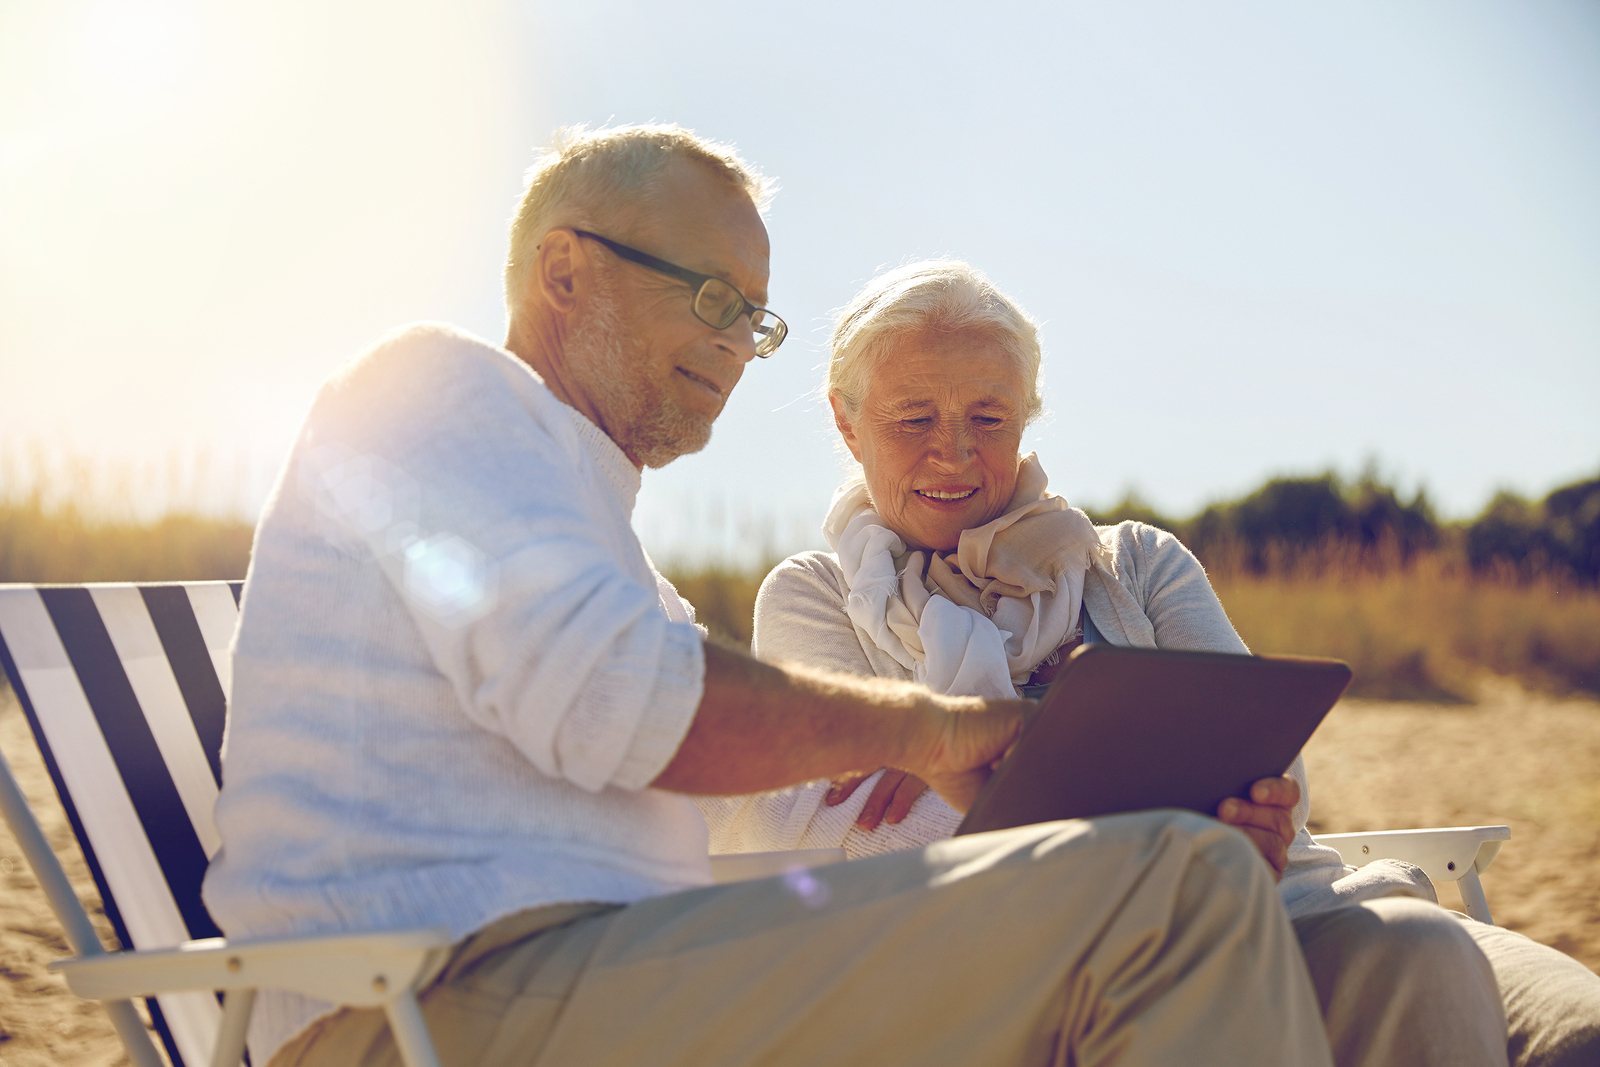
124,687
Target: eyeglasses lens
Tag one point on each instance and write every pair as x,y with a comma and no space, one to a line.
718,303
770,332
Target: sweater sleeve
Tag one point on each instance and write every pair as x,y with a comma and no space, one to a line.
492,544
800,618
1177,596
1188,616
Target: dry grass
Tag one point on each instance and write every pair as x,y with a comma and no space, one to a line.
1427,628
67,546
1426,631
724,600
66,518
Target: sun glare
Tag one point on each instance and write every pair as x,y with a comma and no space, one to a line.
137,52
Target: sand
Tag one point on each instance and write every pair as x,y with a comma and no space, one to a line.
1517,758
41,1023
1528,761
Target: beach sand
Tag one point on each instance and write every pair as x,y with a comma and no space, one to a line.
1527,760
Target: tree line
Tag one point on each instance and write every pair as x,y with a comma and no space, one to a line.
1287,519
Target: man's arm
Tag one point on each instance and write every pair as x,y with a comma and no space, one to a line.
761,727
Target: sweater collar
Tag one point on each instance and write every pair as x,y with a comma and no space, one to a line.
619,471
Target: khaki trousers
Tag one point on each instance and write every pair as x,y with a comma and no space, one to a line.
1401,983
1552,1001
1154,939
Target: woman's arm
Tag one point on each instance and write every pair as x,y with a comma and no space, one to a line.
1175,593
800,617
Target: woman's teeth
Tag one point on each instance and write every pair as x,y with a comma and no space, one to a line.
936,494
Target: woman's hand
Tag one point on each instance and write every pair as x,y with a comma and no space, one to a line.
890,800
1266,818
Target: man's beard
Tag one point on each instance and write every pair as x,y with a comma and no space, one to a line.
651,428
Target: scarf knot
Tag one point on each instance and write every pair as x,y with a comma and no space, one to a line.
978,620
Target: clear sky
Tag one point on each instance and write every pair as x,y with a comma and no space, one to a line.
1261,238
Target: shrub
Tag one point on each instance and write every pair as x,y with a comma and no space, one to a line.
1288,517
1558,535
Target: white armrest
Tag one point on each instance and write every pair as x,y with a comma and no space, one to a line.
358,970
743,866
1445,854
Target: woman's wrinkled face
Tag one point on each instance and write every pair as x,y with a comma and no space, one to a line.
938,434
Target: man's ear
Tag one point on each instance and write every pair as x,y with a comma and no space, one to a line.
562,271
846,429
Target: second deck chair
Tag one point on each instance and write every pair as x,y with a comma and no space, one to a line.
123,686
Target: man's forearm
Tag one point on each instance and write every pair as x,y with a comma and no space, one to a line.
762,727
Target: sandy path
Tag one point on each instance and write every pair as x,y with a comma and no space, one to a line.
1528,761
1525,760
41,1023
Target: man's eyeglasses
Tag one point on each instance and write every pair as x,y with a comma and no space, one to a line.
716,303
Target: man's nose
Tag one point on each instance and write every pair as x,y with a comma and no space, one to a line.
739,339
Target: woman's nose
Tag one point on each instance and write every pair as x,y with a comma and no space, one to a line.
952,447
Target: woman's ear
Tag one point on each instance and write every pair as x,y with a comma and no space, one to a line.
846,428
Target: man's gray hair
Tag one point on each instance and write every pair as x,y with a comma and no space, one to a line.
586,178
944,296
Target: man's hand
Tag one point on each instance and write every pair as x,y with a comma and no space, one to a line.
1266,818
967,746
890,800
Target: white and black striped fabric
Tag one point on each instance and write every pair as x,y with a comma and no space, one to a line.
125,688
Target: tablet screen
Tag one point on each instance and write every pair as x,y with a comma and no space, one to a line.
1126,729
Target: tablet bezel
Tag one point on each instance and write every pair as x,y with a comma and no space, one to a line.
1129,729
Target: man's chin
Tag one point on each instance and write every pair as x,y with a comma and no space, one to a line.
657,450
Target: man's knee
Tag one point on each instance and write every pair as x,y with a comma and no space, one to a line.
1213,852
1167,858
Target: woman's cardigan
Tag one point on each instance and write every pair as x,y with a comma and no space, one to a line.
1152,594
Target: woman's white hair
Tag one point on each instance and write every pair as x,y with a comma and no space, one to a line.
585,178
945,296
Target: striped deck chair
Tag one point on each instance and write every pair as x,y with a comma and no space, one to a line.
124,687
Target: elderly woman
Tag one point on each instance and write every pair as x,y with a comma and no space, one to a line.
954,566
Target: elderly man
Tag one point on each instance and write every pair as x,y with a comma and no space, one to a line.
462,695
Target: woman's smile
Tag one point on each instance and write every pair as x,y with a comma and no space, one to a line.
946,495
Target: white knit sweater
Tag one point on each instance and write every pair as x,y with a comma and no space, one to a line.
1154,594
455,673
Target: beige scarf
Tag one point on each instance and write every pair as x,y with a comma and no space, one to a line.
976,621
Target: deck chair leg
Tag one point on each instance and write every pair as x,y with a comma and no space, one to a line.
410,1031
1472,896
236,1007
69,912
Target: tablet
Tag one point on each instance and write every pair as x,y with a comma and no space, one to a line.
1128,729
